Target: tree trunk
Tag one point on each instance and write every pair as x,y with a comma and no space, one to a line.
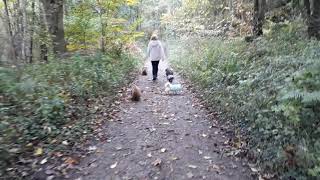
17,20
43,36
103,25
307,6
103,34
54,18
313,17
9,29
32,31
258,17
24,27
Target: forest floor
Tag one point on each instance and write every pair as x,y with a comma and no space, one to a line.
163,137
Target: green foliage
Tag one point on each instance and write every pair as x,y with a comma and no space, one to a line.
269,89
91,22
46,101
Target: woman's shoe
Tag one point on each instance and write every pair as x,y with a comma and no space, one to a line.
154,78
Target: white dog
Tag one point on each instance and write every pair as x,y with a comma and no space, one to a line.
172,88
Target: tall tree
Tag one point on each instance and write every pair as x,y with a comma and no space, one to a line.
54,18
103,25
32,31
10,31
43,35
313,15
24,30
259,16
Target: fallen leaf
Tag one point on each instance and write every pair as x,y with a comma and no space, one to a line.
216,168
163,150
142,163
99,151
207,157
268,176
152,129
38,152
45,160
174,158
71,161
189,175
14,150
114,165
50,177
65,143
192,166
24,174
92,148
234,166
157,162
49,172
254,169
58,154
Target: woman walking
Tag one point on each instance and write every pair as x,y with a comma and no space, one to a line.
155,53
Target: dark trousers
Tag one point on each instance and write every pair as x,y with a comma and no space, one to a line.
155,65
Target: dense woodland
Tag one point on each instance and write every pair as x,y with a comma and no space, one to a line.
257,62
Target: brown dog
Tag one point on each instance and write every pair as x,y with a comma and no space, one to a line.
135,93
144,71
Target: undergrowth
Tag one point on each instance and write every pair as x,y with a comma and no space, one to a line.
43,105
269,89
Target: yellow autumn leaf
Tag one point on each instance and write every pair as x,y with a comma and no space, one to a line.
132,2
38,152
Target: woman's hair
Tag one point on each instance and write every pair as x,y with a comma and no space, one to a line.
154,37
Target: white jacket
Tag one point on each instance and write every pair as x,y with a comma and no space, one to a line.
155,51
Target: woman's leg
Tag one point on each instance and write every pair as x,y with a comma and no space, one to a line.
155,65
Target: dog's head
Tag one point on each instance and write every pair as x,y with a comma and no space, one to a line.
170,78
169,72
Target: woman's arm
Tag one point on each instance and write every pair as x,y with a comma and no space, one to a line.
163,55
148,51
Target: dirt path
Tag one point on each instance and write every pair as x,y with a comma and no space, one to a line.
161,137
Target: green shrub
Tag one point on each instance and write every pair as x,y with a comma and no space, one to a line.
269,89
41,101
